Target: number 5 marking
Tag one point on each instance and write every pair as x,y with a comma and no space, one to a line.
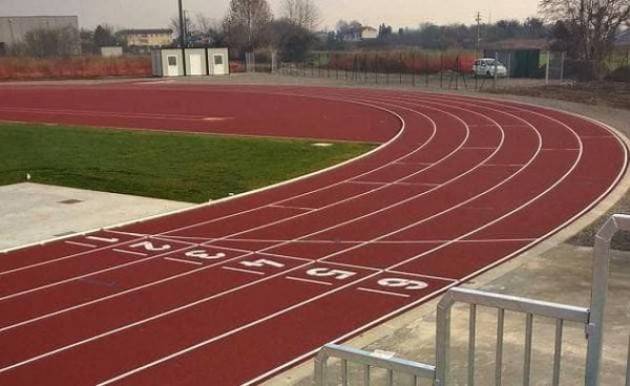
328,272
397,282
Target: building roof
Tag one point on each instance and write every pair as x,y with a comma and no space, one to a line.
518,44
147,31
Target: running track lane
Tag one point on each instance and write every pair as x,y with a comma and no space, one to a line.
234,292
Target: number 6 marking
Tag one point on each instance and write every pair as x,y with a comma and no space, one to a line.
327,272
397,282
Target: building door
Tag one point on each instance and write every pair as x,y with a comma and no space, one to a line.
196,65
219,65
173,67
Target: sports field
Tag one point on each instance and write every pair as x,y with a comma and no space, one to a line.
234,292
175,166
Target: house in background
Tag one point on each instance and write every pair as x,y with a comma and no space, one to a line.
359,34
143,40
369,33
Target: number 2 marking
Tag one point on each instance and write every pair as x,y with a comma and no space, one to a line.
150,247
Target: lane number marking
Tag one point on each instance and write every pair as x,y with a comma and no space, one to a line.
329,272
396,282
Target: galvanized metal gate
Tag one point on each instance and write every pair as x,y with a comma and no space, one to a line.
591,318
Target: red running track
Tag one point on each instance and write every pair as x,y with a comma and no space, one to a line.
236,291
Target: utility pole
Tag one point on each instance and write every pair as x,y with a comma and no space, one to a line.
478,20
182,34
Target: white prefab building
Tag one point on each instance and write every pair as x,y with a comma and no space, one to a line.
196,63
218,60
167,62
199,61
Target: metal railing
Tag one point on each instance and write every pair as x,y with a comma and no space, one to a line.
591,318
368,360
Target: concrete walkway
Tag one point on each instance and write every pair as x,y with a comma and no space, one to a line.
31,213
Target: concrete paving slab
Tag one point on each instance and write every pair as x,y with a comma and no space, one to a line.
31,213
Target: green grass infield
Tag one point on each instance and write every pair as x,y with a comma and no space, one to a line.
174,166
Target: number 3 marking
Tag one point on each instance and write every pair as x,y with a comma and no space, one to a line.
396,282
327,272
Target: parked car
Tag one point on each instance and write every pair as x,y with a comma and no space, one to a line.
488,66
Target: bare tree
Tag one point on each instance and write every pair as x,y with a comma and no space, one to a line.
591,24
188,26
246,22
303,13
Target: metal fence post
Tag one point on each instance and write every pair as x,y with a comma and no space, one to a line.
400,67
547,67
443,337
562,59
426,69
413,69
441,69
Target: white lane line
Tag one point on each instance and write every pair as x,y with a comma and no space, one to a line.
143,321
383,147
383,292
402,179
308,280
243,270
128,233
341,242
125,292
292,207
80,244
63,258
130,252
57,283
183,261
375,183
553,186
231,332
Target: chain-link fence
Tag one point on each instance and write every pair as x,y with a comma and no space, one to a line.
433,69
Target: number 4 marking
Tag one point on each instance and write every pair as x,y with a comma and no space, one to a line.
201,254
407,284
261,263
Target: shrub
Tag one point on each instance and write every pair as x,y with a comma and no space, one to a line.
25,68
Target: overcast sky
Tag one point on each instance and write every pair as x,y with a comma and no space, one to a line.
156,13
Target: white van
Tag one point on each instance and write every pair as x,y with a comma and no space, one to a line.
488,66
